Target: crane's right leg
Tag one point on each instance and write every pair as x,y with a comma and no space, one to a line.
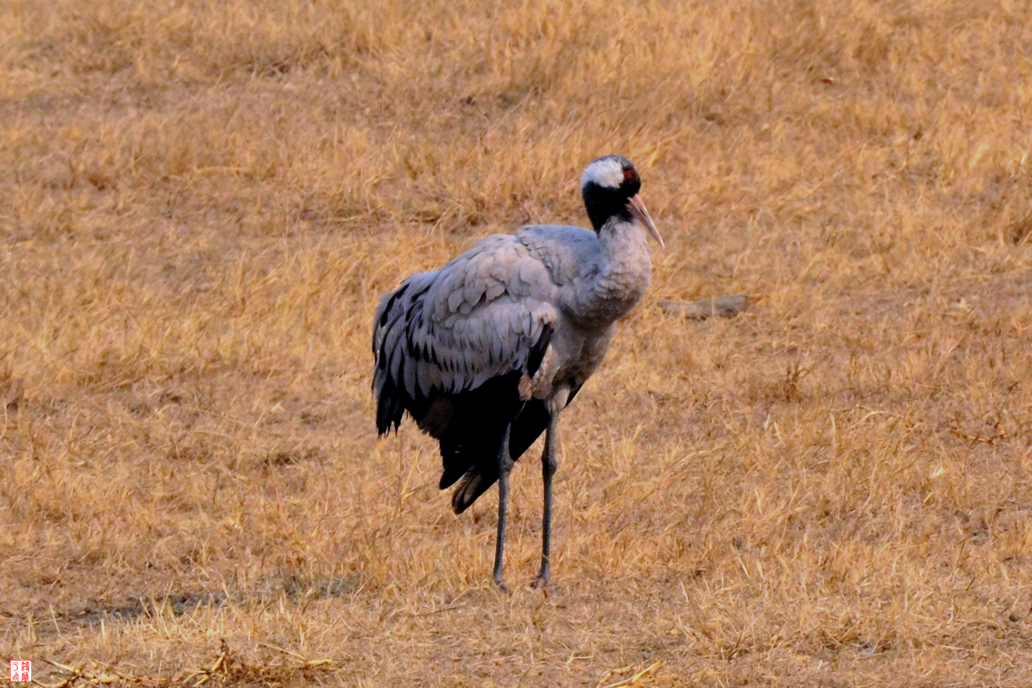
504,466
548,465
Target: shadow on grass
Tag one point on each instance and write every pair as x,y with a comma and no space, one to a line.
288,585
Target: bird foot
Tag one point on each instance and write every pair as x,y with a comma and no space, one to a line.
502,587
541,581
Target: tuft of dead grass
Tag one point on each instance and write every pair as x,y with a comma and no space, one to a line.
226,670
200,204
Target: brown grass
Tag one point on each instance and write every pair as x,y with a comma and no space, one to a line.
200,203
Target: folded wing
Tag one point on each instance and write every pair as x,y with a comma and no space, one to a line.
452,345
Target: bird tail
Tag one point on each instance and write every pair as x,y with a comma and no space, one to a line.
483,472
474,483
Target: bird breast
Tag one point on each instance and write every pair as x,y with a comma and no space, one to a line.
622,280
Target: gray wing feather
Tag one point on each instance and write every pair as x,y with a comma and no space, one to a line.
495,289
410,374
455,300
424,378
477,317
397,359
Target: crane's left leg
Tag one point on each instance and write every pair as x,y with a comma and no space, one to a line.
549,463
504,466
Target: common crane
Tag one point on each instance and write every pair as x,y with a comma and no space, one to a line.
485,352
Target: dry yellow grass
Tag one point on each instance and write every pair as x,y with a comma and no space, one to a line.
200,203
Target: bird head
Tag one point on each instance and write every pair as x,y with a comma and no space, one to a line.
610,187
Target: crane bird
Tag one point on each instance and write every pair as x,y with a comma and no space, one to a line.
485,352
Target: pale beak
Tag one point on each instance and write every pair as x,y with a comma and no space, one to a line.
642,215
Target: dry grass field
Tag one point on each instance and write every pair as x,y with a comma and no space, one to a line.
201,202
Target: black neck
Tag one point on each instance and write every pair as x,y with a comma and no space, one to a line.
603,203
